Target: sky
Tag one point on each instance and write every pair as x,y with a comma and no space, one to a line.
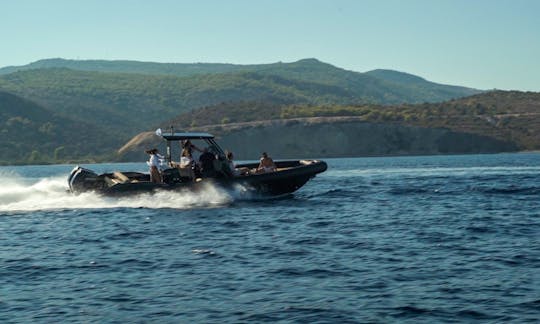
483,44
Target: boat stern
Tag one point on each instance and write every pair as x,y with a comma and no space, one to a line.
81,179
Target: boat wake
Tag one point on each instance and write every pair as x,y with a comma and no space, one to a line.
24,194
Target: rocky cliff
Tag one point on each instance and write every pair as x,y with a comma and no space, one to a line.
330,137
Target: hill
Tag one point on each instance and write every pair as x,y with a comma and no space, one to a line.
128,103
110,101
422,88
33,134
491,122
496,121
374,86
125,66
133,102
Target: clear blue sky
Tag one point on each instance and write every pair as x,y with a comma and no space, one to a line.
476,43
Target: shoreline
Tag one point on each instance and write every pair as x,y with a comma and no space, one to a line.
73,163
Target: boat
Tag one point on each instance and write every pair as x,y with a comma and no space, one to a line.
289,175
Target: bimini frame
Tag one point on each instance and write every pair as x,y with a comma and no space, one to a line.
176,137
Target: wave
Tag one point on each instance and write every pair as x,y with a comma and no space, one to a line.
414,172
513,190
411,191
24,194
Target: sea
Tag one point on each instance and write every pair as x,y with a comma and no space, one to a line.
430,239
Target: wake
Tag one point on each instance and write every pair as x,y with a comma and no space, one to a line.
23,194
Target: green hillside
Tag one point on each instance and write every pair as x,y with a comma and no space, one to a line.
82,109
33,134
419,88
133,102
375,86
130,102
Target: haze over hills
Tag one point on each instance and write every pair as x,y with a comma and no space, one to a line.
111,101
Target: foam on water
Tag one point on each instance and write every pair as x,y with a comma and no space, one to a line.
18,194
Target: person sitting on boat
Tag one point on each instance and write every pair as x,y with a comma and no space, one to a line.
206,163
232,166
266,164
154,163
186,160
187,166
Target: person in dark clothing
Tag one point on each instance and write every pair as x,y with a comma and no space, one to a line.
206,161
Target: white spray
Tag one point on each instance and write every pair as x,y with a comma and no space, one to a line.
24,194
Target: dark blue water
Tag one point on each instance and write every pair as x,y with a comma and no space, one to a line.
412,239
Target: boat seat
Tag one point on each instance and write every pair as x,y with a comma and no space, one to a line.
120,176
186,172
110,181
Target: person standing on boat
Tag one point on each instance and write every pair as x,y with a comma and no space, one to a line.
154,164
187,145
266,164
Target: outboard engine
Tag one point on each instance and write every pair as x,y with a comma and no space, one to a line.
81,179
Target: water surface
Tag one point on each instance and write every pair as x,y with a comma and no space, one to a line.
409,239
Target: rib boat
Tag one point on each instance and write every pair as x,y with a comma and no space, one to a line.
289,175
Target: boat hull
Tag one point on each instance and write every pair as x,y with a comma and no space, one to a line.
289,177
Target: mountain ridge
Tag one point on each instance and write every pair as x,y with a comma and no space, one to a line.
191,69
